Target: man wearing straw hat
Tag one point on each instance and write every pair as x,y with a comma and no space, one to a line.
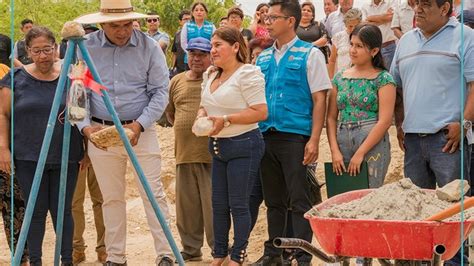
134,70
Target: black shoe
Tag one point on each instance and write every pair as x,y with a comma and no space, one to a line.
267,260
109,263
187,257
166,261
67,264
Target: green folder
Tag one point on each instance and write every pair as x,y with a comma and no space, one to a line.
338,184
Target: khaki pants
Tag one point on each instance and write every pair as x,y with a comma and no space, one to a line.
87,176
194,206
110,168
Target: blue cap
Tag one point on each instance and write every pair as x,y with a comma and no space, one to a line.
199,43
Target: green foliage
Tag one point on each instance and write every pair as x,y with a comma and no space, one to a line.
53,13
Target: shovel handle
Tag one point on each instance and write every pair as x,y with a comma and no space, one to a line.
453,210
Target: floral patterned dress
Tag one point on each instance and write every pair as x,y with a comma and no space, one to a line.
358,105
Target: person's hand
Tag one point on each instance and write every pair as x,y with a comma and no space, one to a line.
218,125
311,152
5,160
390,11
354,165
136,129
401,138
84,163
87,132
338,166
453,136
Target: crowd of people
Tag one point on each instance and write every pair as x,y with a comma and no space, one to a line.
267,90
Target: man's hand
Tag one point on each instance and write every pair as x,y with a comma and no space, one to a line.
5,160
311,152
401,138
137,130
453,136
87,132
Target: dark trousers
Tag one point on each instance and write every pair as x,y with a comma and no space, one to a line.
285,186
235,164
47,200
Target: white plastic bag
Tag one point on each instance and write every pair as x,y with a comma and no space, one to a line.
77,99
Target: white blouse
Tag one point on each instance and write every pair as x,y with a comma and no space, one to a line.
246,87
343,45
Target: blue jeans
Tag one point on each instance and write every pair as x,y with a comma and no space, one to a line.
47,200
349,138
387,53
235,167
427,166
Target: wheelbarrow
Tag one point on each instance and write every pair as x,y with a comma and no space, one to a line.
408,241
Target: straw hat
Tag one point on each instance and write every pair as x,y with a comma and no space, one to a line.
110,11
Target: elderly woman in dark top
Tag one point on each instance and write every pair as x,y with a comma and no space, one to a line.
35,86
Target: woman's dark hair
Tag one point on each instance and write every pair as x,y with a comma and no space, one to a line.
262,43
262,5
371,36
311,6
39,31
198,3
231,36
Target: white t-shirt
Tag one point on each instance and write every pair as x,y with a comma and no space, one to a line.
403,16
372,9
246,87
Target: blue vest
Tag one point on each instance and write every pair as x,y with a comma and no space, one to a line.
194,31
289,100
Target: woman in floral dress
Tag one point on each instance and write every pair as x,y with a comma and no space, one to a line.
361,106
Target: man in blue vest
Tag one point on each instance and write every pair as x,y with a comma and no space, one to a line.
296,83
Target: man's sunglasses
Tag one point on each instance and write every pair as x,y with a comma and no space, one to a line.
152,20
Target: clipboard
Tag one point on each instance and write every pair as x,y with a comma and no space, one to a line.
338,184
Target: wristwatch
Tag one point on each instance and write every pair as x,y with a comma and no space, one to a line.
227,122
467,124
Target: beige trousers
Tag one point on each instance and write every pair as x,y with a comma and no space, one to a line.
87,176
194,206
110,168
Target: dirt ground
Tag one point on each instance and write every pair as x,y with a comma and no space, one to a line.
139,241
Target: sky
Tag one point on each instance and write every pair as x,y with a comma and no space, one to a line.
248,6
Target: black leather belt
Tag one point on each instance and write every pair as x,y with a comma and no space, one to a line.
110,123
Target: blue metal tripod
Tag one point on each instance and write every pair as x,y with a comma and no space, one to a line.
73,43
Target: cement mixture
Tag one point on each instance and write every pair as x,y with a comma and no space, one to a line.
401,200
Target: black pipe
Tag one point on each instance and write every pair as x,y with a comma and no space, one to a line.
281,242
438,251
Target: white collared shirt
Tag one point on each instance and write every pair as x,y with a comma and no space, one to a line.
316,70
382,8
335,22
403,16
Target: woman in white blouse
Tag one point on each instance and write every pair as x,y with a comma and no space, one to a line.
233,97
